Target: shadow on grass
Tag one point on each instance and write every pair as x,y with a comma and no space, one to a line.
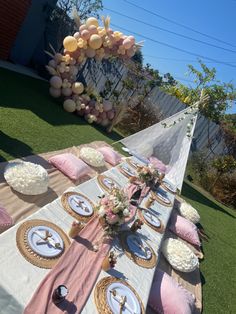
13,146
191,193
22,92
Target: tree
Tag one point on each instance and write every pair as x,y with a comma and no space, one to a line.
85,8
138,57
221,95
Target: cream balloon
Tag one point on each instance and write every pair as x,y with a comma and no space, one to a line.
70,43
55,92
92,21
92,29
56,81
82,27
69,105
66,91
95,41
77,35
127,43
77,88
90,53
52,63
85,34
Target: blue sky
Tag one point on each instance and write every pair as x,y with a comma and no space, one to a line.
214,18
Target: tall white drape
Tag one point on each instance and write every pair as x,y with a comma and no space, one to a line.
168,141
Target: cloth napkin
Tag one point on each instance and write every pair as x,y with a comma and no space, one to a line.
77,269
133,187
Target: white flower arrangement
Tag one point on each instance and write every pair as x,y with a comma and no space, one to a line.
26,177
179,255
188,212
92,157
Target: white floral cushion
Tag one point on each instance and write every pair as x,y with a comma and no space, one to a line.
189,212
26,177
179,255
92,157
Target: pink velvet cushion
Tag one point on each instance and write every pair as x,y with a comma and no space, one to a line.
168,297
70,165
110,155
158,164
184,229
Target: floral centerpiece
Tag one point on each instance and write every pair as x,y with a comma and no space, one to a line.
148,174
112,210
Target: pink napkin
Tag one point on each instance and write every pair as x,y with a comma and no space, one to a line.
133,187
5,220
77,269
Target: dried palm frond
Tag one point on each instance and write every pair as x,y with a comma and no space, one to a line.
53,50
51,70
106,22
49,53
121,112
76,17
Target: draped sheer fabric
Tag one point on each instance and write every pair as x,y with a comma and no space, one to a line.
168,141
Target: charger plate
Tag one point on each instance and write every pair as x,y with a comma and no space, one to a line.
134,253
107,183
159,228
106,304
132,163
127,171
70,202
26,249
168,187
158,197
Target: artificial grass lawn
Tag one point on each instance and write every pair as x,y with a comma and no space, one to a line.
32,122
218,268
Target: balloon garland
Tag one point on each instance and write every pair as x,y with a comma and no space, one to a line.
90,41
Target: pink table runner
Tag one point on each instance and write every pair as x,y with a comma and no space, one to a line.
5,220
77,269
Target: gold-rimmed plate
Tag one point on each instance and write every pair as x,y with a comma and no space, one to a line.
107,183
78,205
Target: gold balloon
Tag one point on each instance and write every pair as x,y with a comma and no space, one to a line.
70,43
95,41
77,88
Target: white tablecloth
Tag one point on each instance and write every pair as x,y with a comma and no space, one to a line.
19,278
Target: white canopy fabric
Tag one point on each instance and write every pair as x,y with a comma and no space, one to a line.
169,141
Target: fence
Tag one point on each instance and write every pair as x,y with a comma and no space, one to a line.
207,133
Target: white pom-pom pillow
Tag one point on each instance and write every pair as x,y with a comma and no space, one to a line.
26,177
188,212
179,255
92,157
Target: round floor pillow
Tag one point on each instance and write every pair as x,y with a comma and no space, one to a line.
26,177
92,157
179,255
189,212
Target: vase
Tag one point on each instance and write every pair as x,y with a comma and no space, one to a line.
75,229
103,222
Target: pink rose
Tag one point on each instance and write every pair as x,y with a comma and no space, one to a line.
104,200
112,219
